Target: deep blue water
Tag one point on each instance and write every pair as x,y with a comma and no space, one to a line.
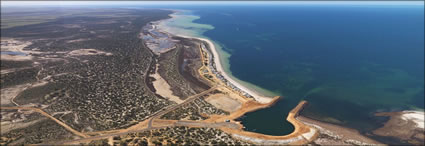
346,61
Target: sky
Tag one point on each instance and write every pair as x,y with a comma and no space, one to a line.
88,3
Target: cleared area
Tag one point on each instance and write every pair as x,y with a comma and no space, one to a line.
224,102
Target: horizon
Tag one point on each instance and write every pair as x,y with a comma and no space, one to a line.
141,3
212,72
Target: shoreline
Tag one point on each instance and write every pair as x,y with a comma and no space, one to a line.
406,126
217,62
301,130
331,134
258,97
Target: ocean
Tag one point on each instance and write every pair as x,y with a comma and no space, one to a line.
347,61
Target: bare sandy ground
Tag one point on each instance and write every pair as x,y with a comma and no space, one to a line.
7,126
39,83
224,102
13,45
8,94
88,52
8,44
77,40
10,122
15,57
162,88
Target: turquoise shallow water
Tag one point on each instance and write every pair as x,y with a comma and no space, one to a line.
347,61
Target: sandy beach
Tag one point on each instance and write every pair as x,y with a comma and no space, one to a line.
260,98
257,96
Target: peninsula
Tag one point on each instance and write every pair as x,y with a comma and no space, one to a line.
122,76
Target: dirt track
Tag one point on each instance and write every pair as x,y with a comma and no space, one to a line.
188,100
215,121
51,117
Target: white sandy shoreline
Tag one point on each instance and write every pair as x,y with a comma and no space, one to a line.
258,97
219,67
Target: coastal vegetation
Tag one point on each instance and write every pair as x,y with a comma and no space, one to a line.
129,76
199,110
88,68
92,76
179,68
30,128
177,136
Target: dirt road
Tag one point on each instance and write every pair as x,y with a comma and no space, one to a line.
173,107
51,117
176,123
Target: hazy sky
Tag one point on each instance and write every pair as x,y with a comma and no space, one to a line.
70,3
